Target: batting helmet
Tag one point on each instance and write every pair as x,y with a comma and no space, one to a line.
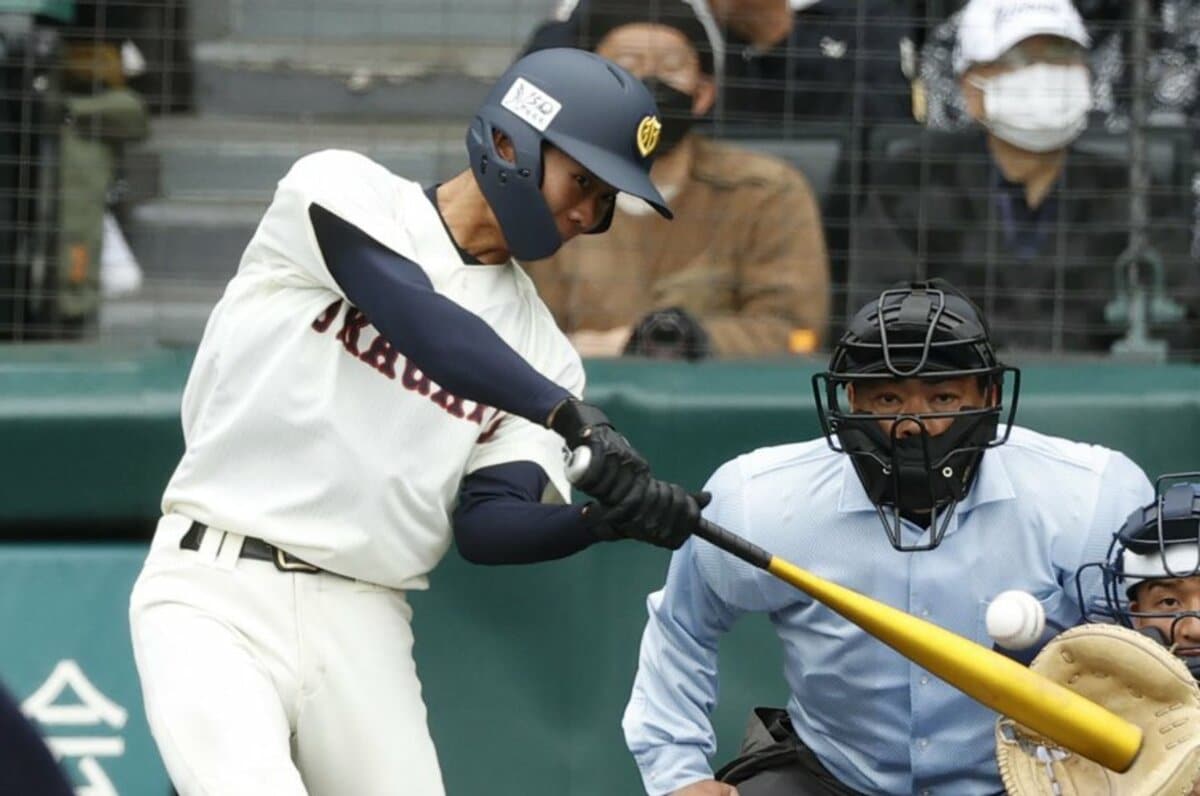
1158,541
588,107
924,330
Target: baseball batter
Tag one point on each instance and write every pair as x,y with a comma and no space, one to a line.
378,375
917,438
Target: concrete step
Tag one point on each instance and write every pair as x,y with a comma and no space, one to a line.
235,158
504,21
305,78
192,240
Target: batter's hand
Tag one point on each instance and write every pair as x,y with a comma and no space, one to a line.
615,467
660,513
707,787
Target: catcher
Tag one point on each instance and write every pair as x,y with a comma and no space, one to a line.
1123,659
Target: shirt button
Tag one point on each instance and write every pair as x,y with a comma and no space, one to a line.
927,792
924,679
924,612
923,743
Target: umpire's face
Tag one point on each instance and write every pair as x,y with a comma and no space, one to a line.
896,397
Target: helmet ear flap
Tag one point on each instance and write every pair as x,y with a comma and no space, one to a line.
512,188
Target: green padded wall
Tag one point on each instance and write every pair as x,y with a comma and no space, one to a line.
105,423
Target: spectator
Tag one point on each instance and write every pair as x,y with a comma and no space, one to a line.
741,271
1016,215
1172,70
803,60
798,60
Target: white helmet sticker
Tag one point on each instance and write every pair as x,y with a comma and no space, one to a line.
531,104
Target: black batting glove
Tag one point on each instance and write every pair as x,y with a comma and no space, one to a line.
661,514
616,467
671,333
576,421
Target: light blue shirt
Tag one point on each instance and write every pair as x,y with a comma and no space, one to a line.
1039,509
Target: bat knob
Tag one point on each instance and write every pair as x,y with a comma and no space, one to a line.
578,463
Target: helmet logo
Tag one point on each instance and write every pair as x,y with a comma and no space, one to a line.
530,104
648,131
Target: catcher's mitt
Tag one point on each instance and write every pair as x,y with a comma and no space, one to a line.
1137,679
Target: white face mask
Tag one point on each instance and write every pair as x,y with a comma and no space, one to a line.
1041,107
632,205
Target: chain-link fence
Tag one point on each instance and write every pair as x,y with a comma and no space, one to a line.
814,152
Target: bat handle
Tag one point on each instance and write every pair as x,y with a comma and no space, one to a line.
577,465
733,544
578,462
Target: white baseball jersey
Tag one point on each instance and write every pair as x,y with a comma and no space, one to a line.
305,428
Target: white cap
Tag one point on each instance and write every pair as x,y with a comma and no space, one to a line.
989,28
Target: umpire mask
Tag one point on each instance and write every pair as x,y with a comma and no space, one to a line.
926,331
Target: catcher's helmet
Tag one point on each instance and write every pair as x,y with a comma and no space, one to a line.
591,109
924,330
1157,541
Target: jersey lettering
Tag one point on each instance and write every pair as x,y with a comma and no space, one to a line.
448,401
354,322
476,417
491,430
381,356
325,319
414,379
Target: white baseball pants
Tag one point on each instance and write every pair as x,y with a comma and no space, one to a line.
263,682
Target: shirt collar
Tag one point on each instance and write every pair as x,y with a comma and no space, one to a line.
991,485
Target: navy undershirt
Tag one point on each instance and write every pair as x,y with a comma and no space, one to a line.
451,345
499,518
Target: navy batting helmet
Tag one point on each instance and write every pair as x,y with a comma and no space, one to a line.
588,107
1160,541
924,330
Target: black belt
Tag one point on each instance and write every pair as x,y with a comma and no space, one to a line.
253,548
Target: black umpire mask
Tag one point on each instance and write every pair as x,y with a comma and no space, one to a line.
675,110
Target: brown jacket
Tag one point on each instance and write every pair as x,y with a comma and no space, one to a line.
745,255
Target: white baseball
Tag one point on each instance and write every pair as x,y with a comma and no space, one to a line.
1015,619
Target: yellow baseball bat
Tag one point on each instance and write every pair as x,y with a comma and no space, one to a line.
1070,720
1066,718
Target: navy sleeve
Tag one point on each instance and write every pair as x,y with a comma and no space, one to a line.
451,345
26,765
500,519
